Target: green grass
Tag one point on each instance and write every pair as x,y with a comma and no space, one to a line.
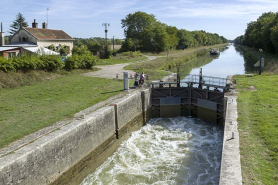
120,59
252,55
27,109
258,127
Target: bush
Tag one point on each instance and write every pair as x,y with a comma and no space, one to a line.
52,62
87,61
6,65
132,54
27,63
80,62
71,62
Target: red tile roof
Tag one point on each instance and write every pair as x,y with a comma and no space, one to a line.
42,34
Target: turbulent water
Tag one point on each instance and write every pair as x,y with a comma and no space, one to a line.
165,151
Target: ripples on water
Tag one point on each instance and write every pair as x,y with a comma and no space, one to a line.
165,151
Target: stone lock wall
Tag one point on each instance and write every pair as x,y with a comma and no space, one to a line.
62,155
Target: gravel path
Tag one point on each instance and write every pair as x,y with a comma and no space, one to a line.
111,71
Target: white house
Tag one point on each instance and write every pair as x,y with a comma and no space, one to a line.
40,38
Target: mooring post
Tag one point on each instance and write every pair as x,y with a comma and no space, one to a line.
178,76
200,78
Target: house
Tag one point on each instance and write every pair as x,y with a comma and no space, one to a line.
35,39
9,52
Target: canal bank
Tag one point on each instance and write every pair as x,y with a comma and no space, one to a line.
117,124
68,155
59,157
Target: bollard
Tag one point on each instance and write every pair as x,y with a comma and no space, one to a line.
126,83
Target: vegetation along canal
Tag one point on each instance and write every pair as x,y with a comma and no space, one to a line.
177,150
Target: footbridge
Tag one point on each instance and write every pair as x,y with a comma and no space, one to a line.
196,96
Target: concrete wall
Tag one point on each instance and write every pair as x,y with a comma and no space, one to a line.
61,155
230,172
46,43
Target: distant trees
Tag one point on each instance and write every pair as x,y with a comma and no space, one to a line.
144,32
18,23
262,33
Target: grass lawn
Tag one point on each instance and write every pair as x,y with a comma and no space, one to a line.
258,128
26,109
120,59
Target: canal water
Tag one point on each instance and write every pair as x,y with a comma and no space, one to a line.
173,151
229,62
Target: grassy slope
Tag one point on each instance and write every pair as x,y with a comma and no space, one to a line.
252,54
27,109
258,123
120,59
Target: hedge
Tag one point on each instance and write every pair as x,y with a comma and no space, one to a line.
47,63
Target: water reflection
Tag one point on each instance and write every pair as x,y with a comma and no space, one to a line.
231,61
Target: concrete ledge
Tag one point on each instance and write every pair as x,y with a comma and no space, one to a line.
47,158
61,156
128,108
230,173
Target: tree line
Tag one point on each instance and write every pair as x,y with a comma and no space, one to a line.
262,33
144,32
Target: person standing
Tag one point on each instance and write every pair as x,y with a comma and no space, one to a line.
142,78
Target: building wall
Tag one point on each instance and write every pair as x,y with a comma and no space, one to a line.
42,43
23,33
46,43
5,54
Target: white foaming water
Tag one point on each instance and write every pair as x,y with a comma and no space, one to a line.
165,151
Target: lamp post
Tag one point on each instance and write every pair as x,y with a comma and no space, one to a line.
260,69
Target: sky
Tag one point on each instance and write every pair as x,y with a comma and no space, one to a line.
84,18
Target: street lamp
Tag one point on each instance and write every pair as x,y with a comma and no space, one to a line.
260,69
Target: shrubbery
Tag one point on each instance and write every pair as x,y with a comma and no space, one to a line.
52,62
47,63
132,54
80,62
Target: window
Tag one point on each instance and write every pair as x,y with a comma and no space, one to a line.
11,54
24,39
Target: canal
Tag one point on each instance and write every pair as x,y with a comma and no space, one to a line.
229,62
173,151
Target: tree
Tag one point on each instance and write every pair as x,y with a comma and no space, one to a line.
18,23
173,37
155,38
63,49
135,23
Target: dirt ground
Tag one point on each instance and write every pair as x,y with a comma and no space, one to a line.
111,71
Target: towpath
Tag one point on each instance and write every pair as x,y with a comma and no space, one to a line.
111,71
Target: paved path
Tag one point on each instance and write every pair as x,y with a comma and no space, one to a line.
111,71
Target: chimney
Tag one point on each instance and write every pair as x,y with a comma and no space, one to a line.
34,24
2,37
44,25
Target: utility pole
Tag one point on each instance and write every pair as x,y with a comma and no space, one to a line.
260,68
113,43
106,25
